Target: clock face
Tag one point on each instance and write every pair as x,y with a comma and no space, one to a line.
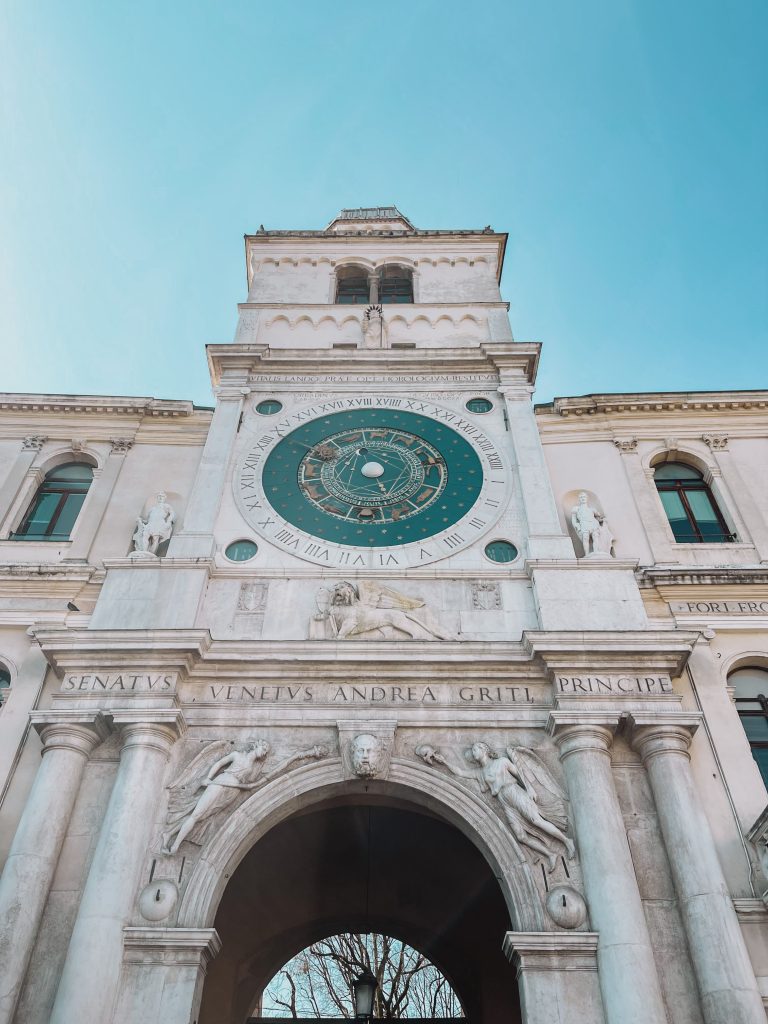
372,486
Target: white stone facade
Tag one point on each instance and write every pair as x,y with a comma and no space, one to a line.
556,733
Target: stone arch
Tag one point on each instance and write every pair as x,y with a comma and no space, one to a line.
424,788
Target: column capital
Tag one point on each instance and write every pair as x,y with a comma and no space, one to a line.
190,946
551,951
575,731
651,734
149,727
75,729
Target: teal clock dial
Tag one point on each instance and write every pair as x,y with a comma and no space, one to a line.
372,477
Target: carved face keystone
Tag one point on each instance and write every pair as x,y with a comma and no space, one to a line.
366,755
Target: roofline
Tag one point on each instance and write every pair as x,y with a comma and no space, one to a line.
265,236
122,405
653,401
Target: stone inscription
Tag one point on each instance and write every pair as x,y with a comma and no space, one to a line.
720,607
117,682
376,378
350,693
614,685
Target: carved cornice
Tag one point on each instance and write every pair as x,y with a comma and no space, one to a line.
592,652
191,947
655,402
258,360
95,404
739,576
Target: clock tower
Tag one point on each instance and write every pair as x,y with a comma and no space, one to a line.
350,653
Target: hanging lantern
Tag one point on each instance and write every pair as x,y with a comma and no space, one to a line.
364,987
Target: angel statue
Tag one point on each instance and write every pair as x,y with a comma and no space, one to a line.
213,781
370,609
533,803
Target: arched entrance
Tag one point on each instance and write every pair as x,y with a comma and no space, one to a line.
307,877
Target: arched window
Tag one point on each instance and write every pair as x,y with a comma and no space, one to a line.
57,503
352,287
395,285
5,683
751,696
690,507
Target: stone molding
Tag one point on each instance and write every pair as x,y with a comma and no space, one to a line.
149,727
120,445
651,735
651,650
626,447
311,783
656,402
81,731
95,404
516,358
576,731
743,576
33,443
179,947
551,951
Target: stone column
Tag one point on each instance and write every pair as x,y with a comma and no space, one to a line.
88,985
546,538
68,739
727,985
628,978
557,976
196,538
373,292
104,481
30,446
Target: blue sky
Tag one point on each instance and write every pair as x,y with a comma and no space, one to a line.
622,144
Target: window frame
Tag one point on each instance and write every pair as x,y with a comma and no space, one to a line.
46,487
680,486
743,713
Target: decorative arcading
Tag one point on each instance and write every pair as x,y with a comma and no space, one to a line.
305,319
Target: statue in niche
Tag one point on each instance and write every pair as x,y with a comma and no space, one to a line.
374,330
365,753
157,528
372,611
530,798
592,529
213,781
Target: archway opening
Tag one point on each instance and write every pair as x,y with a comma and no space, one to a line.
353,974
362,864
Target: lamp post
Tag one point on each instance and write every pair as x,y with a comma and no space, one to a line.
364,988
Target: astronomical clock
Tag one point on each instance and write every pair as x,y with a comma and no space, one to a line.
371,482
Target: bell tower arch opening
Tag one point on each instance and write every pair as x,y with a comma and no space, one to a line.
362,863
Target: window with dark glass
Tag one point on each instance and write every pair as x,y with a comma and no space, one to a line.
691,510
352,287
395,285
56,505
751,697
5,683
